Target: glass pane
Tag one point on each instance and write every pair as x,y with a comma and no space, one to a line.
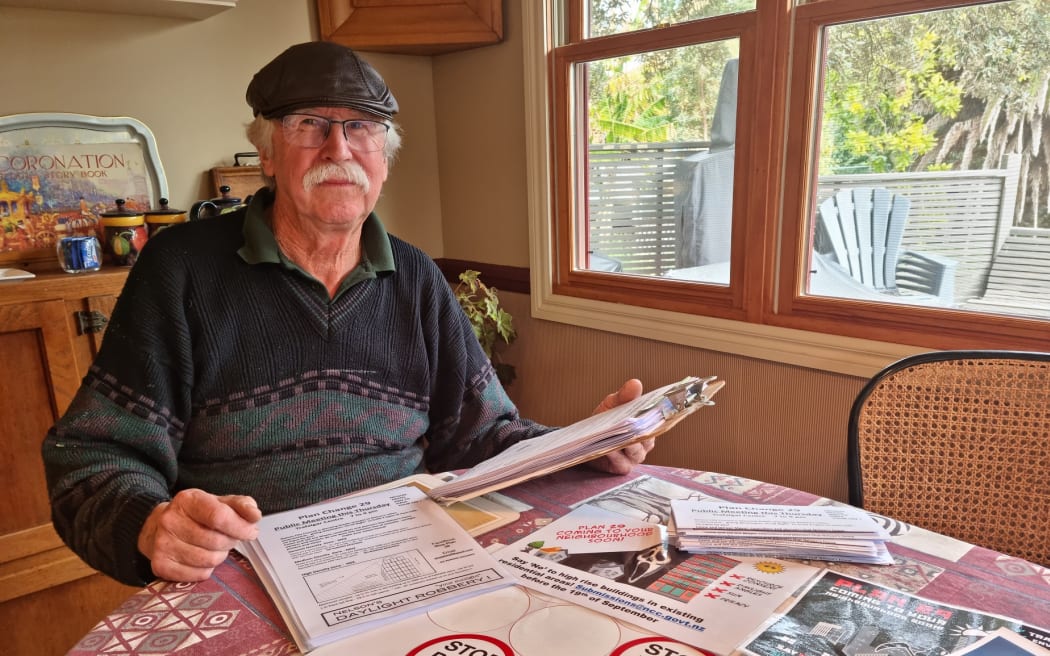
661,130
617,16
933,168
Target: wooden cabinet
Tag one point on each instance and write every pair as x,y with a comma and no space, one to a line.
187,9
411,27
48,596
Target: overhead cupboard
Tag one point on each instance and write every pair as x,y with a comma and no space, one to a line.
411,27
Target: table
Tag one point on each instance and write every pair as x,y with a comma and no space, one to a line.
231,614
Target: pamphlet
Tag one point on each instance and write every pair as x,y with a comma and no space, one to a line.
846,616
647,416
835,533
626,569
1003,642
345,566
476,516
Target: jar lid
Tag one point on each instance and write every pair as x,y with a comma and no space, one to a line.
226,198
121,217
165,214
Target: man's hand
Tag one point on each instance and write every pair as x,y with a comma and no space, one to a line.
622,461
188,537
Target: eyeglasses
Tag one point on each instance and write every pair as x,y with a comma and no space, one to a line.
310,131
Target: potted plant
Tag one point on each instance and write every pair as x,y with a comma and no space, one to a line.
491,322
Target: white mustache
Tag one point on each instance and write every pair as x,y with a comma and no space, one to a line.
341,171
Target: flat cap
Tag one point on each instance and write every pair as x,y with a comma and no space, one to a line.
319,74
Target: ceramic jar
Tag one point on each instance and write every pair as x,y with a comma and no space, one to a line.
164,217
123,234
205,209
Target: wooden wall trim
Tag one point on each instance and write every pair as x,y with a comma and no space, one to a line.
502,277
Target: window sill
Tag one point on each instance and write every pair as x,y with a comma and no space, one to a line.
844,355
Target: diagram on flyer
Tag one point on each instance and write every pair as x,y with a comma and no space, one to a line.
372,574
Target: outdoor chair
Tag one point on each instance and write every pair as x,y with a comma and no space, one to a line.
958,442
862,228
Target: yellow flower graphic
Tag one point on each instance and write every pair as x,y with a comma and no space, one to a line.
768,567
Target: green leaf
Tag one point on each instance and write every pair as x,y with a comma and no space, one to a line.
489,321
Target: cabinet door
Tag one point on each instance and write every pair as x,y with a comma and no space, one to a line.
38,378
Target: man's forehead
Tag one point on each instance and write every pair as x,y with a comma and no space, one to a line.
338,113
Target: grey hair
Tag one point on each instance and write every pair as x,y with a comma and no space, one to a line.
260,134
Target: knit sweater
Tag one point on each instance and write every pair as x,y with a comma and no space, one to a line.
226,368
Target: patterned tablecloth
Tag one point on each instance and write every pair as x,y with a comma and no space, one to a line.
230,613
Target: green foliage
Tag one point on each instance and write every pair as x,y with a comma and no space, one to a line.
879,122
662,95
491,323
629,111
618,16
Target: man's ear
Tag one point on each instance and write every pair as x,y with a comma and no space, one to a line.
266,162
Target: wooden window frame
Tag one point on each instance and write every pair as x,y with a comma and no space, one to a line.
934,328
762,313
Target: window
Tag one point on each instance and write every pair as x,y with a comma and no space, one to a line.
869,170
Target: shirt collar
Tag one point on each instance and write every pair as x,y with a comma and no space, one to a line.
260,245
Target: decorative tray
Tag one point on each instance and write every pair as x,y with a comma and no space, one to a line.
58,172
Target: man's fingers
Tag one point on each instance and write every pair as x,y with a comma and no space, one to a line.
623,461
182,562
218,513
188,537
629,391
245,506
646,446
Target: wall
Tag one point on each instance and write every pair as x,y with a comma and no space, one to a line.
186,80
479,98
772,422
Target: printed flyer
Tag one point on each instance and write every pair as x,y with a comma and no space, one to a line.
348,565
626,569
844,616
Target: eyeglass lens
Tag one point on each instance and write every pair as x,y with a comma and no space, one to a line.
310,131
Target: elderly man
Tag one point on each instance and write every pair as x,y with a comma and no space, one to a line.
280,355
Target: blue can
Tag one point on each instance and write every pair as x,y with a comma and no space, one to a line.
77,254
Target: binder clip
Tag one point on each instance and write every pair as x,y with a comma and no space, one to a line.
690,391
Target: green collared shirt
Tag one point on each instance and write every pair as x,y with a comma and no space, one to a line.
260,245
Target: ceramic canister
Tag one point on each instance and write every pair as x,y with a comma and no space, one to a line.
123,234
164,217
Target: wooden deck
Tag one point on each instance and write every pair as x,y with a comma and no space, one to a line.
632,204
1019,280
963,215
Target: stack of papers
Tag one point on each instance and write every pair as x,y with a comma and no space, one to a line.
833,533
352,564
647,416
